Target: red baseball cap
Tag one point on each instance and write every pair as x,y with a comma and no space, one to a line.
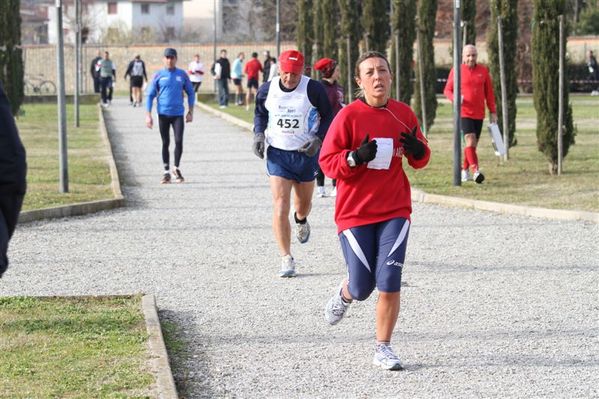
291,61
326,66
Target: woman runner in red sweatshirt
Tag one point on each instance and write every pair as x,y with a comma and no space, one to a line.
364,149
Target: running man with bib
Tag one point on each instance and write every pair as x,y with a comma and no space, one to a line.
167,87
291,118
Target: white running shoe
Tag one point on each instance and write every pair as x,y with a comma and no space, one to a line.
478,177
335,308
302,232
466,175
385,358
320,192
333,192
287,266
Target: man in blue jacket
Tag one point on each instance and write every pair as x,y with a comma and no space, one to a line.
167,87
13,171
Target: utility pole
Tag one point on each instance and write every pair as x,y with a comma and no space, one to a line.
504,106
278,29
62,112
560,100
77,59
457,95
214,41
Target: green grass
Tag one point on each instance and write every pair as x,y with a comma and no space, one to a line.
525,178
89,173
73,348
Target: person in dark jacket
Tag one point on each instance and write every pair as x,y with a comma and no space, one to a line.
13,171
222,75
94,70
136,70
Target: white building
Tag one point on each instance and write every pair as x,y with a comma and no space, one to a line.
138,20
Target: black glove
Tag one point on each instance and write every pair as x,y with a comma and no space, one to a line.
366,152
258,146
311,147
411,144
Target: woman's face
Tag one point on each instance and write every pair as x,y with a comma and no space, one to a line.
375,80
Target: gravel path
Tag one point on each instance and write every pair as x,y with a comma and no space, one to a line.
492,305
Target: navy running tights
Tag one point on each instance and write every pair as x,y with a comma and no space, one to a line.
164,123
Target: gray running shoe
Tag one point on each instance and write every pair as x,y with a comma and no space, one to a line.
385,358
287,267
178,176
302,232
166,178
336,308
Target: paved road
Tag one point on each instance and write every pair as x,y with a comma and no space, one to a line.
493,305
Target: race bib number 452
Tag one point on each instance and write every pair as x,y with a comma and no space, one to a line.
288,123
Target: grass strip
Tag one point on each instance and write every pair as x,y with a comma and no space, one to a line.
524,179
88,170
73,347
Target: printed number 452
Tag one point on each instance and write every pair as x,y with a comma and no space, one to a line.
288,123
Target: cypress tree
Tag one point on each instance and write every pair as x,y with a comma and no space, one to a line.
469,20
11,56
304,28
330,29
427,10
403,22
545,64
350,31
508,11
375,22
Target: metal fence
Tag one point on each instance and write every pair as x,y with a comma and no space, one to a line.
40,62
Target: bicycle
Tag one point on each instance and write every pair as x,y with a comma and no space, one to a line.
37,85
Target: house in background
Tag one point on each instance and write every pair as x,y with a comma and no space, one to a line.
121,20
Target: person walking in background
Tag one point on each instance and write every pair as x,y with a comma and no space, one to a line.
329,73
94,70
268,61
274,70
477,88
593,72
292,116
222,75
107,76
168,86
252,69
364,150
136,70
195,69
237,76
13,172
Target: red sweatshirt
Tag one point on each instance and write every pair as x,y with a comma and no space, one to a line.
476,87
364,195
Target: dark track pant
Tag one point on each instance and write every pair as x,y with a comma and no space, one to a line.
10,206
164,123
106,84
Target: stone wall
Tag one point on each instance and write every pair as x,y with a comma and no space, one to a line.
41,60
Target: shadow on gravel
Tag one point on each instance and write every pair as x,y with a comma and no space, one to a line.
122,163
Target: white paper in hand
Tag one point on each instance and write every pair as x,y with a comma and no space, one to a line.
497,139
384,153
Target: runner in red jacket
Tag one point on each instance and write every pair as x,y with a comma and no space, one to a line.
364,150
476,88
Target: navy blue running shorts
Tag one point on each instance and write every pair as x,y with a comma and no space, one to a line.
374,254
291,165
